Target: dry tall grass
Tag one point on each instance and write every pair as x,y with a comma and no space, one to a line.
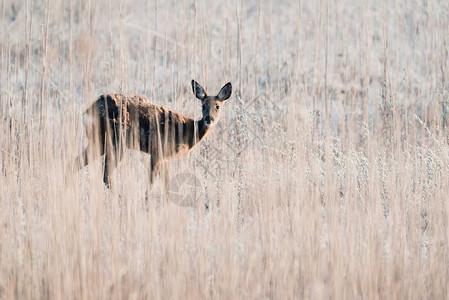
327,177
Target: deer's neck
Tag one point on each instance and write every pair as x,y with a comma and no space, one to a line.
196,132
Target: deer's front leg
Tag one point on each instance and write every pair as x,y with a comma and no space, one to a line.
153,172
156,168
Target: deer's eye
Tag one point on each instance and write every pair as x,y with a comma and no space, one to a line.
217,107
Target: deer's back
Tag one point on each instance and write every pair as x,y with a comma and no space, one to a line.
136,118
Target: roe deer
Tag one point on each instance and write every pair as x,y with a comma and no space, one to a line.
114,122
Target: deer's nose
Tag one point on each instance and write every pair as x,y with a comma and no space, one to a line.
208,120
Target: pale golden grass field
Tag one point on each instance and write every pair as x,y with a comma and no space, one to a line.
327,177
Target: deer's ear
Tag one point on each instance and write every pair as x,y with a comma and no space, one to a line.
225,92
198,90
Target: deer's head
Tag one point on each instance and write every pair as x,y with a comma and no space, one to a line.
211,104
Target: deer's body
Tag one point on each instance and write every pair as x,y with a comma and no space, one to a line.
145,126
115,122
